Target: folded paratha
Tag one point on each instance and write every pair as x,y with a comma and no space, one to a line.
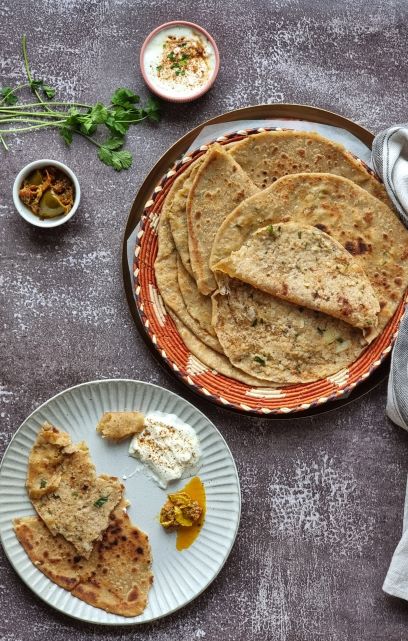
307,267
368,229
267,337
219,186
74,502
165,268
117,576
176,209
269,155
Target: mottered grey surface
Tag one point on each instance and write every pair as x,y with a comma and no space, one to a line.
322,497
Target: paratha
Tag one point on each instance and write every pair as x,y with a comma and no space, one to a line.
117,426
117,576
121,574
215,361
77,504
305,266
219,186
269,155
278,341
165,268
197,305
366,227
176,208
45,461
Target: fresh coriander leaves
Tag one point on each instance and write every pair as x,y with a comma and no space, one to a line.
117,159
116,142
152,110
101,501
124,97
67,134
8,97
118,117
77,118
48,91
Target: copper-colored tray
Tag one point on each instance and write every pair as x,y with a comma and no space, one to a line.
301,112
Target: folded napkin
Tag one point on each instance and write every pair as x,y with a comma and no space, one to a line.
390,161
396,581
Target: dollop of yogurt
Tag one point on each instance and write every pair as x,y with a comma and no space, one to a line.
167,446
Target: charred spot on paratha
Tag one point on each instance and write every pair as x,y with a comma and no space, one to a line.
358,247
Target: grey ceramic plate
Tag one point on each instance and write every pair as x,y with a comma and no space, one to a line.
179,577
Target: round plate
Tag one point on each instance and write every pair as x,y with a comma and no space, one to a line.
77,411
163,336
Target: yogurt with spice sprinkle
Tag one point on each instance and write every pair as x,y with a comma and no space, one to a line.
179,62
167,446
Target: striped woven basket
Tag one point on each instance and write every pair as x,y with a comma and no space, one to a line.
210,383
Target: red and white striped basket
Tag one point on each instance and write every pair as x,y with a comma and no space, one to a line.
210,383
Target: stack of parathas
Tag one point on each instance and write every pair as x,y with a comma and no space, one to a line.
279,258
82,538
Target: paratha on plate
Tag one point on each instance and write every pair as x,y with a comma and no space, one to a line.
278,341
176,210
269,155
117,576
219,186
77,503
165,268
307,267
116,426
368,229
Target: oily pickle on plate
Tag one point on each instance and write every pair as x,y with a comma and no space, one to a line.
184,511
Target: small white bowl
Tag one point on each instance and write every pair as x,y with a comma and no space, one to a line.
26,213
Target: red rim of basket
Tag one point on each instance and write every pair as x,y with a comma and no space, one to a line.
225,391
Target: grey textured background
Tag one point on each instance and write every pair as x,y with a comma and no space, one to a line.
322,497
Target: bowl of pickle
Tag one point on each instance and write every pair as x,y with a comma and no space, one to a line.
46,193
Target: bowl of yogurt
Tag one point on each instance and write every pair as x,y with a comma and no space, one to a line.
179,61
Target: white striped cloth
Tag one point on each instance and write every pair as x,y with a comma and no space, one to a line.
390,161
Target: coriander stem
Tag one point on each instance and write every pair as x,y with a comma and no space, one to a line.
26,84
64,103
23,120
43,124
134,121
3,142
37,114
28,72
92,140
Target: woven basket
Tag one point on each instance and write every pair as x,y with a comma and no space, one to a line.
209,383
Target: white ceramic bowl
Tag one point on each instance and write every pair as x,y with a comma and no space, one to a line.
26,213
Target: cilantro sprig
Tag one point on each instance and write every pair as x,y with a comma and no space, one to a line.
105,126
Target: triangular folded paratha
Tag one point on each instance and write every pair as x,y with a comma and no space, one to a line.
368,229
66,492
116,577
220,185
305,266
